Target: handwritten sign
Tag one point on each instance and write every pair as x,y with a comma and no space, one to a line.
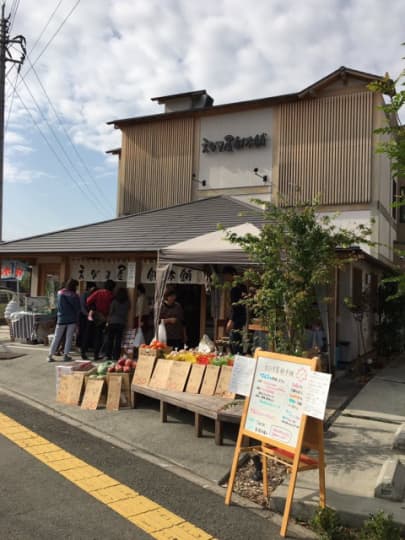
114,393
276,403
242,375
144,370
92,394
210,380
195,378
75,388
222,388
316,394
131,270
161,374
63,391
178,376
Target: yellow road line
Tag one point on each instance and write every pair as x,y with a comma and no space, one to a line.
147,515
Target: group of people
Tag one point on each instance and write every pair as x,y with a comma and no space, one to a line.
98,316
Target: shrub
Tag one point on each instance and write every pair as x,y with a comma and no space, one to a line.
379,526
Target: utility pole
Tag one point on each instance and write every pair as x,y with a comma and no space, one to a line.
6,56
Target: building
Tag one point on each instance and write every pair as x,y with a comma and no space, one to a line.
316,143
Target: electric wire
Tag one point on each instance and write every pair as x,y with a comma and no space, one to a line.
11,101
58,118
51,16
67,157
59,28
54,35
16,5
55,153
100,196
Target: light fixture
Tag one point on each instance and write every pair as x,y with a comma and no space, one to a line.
264,177
202,182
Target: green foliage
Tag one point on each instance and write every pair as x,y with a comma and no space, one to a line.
394,144
295,253
379,526
326,524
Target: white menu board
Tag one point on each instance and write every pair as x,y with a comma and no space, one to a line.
276,401
316,394
242,375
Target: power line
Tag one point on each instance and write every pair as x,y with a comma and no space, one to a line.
16,5
45,27
49,41
53,35
12,100
61,145
79,156
53,151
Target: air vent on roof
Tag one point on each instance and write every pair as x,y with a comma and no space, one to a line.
198,99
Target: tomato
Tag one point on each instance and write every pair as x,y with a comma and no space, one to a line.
111,369
128,362
122,361
126,369
118,368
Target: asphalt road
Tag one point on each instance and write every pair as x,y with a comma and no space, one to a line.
38,503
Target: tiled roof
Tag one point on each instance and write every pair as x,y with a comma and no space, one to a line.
146,232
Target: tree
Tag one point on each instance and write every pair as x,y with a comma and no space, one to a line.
295,253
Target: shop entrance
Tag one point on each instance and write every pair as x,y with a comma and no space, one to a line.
189,297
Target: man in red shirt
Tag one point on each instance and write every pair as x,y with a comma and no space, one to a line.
100,301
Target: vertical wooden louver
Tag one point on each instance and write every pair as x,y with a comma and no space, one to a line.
326,150
157,160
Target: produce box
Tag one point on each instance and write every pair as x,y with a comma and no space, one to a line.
73,367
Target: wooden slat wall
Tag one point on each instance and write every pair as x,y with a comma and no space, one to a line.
326,150
156,165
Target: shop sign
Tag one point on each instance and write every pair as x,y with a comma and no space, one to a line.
131,275
13,270
87,269
178,274
231,143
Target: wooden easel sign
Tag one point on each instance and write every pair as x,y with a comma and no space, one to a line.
274,416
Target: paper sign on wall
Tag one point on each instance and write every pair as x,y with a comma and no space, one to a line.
243,372
316,394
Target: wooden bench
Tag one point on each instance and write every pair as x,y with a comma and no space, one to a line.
214,407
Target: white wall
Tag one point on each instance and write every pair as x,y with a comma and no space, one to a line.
235,169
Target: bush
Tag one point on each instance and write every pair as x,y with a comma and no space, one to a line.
326,523
379,526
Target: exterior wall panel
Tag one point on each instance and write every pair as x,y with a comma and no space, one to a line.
156,165
326,150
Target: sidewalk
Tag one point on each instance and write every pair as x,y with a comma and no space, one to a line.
357,443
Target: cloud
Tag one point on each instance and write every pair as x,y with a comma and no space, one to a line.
112,56
16,174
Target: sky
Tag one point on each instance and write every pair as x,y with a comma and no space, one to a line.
93,61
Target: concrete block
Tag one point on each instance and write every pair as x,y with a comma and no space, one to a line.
399,439
391,481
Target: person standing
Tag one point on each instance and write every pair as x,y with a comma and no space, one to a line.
68,304
117,321
171,314
85,325
99,302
